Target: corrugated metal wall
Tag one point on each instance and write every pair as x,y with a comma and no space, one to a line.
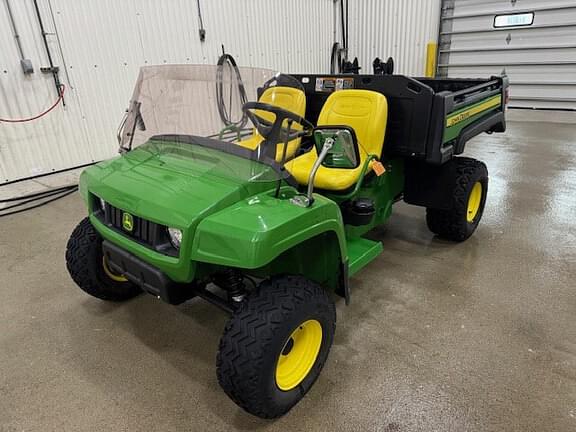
51,143
102,45
99,46
397,28
539,58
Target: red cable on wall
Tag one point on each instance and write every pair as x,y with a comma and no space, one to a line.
62,88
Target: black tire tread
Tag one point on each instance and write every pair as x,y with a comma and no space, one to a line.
251,330
82,252
451,224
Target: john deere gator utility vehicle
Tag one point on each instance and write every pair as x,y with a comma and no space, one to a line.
259,200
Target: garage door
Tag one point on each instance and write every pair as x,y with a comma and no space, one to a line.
532,41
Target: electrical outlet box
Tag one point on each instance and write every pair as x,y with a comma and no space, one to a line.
27,67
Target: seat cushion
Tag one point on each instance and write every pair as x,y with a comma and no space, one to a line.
334,179
364,111
288,98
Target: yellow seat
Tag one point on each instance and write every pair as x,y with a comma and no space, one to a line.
364,111
288,98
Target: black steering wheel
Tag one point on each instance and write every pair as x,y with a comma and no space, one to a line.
275,132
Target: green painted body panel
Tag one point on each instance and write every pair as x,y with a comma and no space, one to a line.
164,183
382,190
361,252
319,258
253,231
225,221
452,132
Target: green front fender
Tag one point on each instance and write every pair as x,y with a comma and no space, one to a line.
252,233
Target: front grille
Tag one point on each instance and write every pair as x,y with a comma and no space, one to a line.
145,232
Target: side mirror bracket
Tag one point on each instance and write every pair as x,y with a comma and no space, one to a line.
336,147
308,199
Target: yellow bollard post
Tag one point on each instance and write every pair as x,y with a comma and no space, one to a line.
431,50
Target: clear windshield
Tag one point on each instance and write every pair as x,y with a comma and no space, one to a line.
200,106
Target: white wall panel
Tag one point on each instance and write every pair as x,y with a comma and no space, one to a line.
397,28
103,44
53,142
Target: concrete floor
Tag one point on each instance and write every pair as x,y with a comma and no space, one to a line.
479,336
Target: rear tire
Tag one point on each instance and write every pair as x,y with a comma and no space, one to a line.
89,270
279,337
468,201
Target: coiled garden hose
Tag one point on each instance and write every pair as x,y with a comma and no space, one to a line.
37,199
226,60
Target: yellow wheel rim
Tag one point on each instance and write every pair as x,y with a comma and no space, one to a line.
474,201
298,355
114,276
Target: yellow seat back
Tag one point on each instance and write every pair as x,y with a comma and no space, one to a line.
288,98
364,111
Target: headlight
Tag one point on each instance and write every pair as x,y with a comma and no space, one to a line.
99,204
175,237
102,204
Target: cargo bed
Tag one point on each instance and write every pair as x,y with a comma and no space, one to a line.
428,119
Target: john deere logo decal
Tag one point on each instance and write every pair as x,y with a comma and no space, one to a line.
127,222
476,109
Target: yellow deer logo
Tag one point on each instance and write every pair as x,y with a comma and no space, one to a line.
127,222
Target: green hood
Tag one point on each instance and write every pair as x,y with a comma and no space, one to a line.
175,184
223,203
